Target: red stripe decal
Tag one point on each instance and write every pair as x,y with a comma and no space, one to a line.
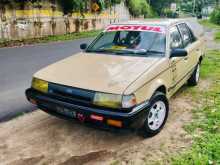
157,29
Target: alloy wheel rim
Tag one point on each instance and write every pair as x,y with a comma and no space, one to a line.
156,115
197,73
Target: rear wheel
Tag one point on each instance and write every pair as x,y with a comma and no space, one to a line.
194,79
156,116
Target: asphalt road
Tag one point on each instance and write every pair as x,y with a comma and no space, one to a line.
17,65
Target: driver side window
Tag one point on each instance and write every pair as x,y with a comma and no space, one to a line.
103,41
175,38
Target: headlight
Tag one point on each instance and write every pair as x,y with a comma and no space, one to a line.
128,101
114,101
40,85
107,100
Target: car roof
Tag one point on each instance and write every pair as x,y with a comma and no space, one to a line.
196,28
155,22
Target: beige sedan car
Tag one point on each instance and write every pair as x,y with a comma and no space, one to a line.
125,77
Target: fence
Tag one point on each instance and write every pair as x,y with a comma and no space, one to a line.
39,23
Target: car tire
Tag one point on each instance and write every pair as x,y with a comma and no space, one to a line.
156,115
194,79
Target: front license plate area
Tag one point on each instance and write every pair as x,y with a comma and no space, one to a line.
66,112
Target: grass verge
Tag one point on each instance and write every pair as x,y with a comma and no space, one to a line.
217,36
55,38
205,128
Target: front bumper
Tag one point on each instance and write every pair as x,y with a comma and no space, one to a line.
132,119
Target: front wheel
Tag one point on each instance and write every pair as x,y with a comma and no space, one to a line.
194,79
156,116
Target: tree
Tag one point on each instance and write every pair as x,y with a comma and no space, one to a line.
139,8
72,5
80,5
159,5
195,6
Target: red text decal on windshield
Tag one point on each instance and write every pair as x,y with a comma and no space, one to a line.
157,29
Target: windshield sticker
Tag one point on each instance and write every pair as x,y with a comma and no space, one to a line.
157,29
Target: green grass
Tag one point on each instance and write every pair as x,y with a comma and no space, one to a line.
217,36
55,38
205,128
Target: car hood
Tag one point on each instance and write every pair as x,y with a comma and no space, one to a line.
97,72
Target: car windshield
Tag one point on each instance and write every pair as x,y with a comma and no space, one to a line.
130,43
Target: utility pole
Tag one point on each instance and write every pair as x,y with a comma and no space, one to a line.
194,7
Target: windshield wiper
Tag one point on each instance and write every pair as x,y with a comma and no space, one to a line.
97,51
140,52
120,52
154,52
130,51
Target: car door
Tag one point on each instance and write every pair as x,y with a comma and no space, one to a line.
179,65
190,46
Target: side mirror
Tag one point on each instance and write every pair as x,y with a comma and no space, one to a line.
178,53
83,46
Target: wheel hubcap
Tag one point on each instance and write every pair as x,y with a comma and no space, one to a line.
156,115
197,73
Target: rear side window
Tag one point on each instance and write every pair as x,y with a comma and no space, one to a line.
186,35
175,38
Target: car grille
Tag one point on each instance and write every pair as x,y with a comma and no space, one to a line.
71,95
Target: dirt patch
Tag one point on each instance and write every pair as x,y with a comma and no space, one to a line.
27,161
89,157
210,42
39,138
204,85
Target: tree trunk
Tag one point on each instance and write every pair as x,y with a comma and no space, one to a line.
217,3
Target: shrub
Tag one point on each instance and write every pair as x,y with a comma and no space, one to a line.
139,8
169,13
215,16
